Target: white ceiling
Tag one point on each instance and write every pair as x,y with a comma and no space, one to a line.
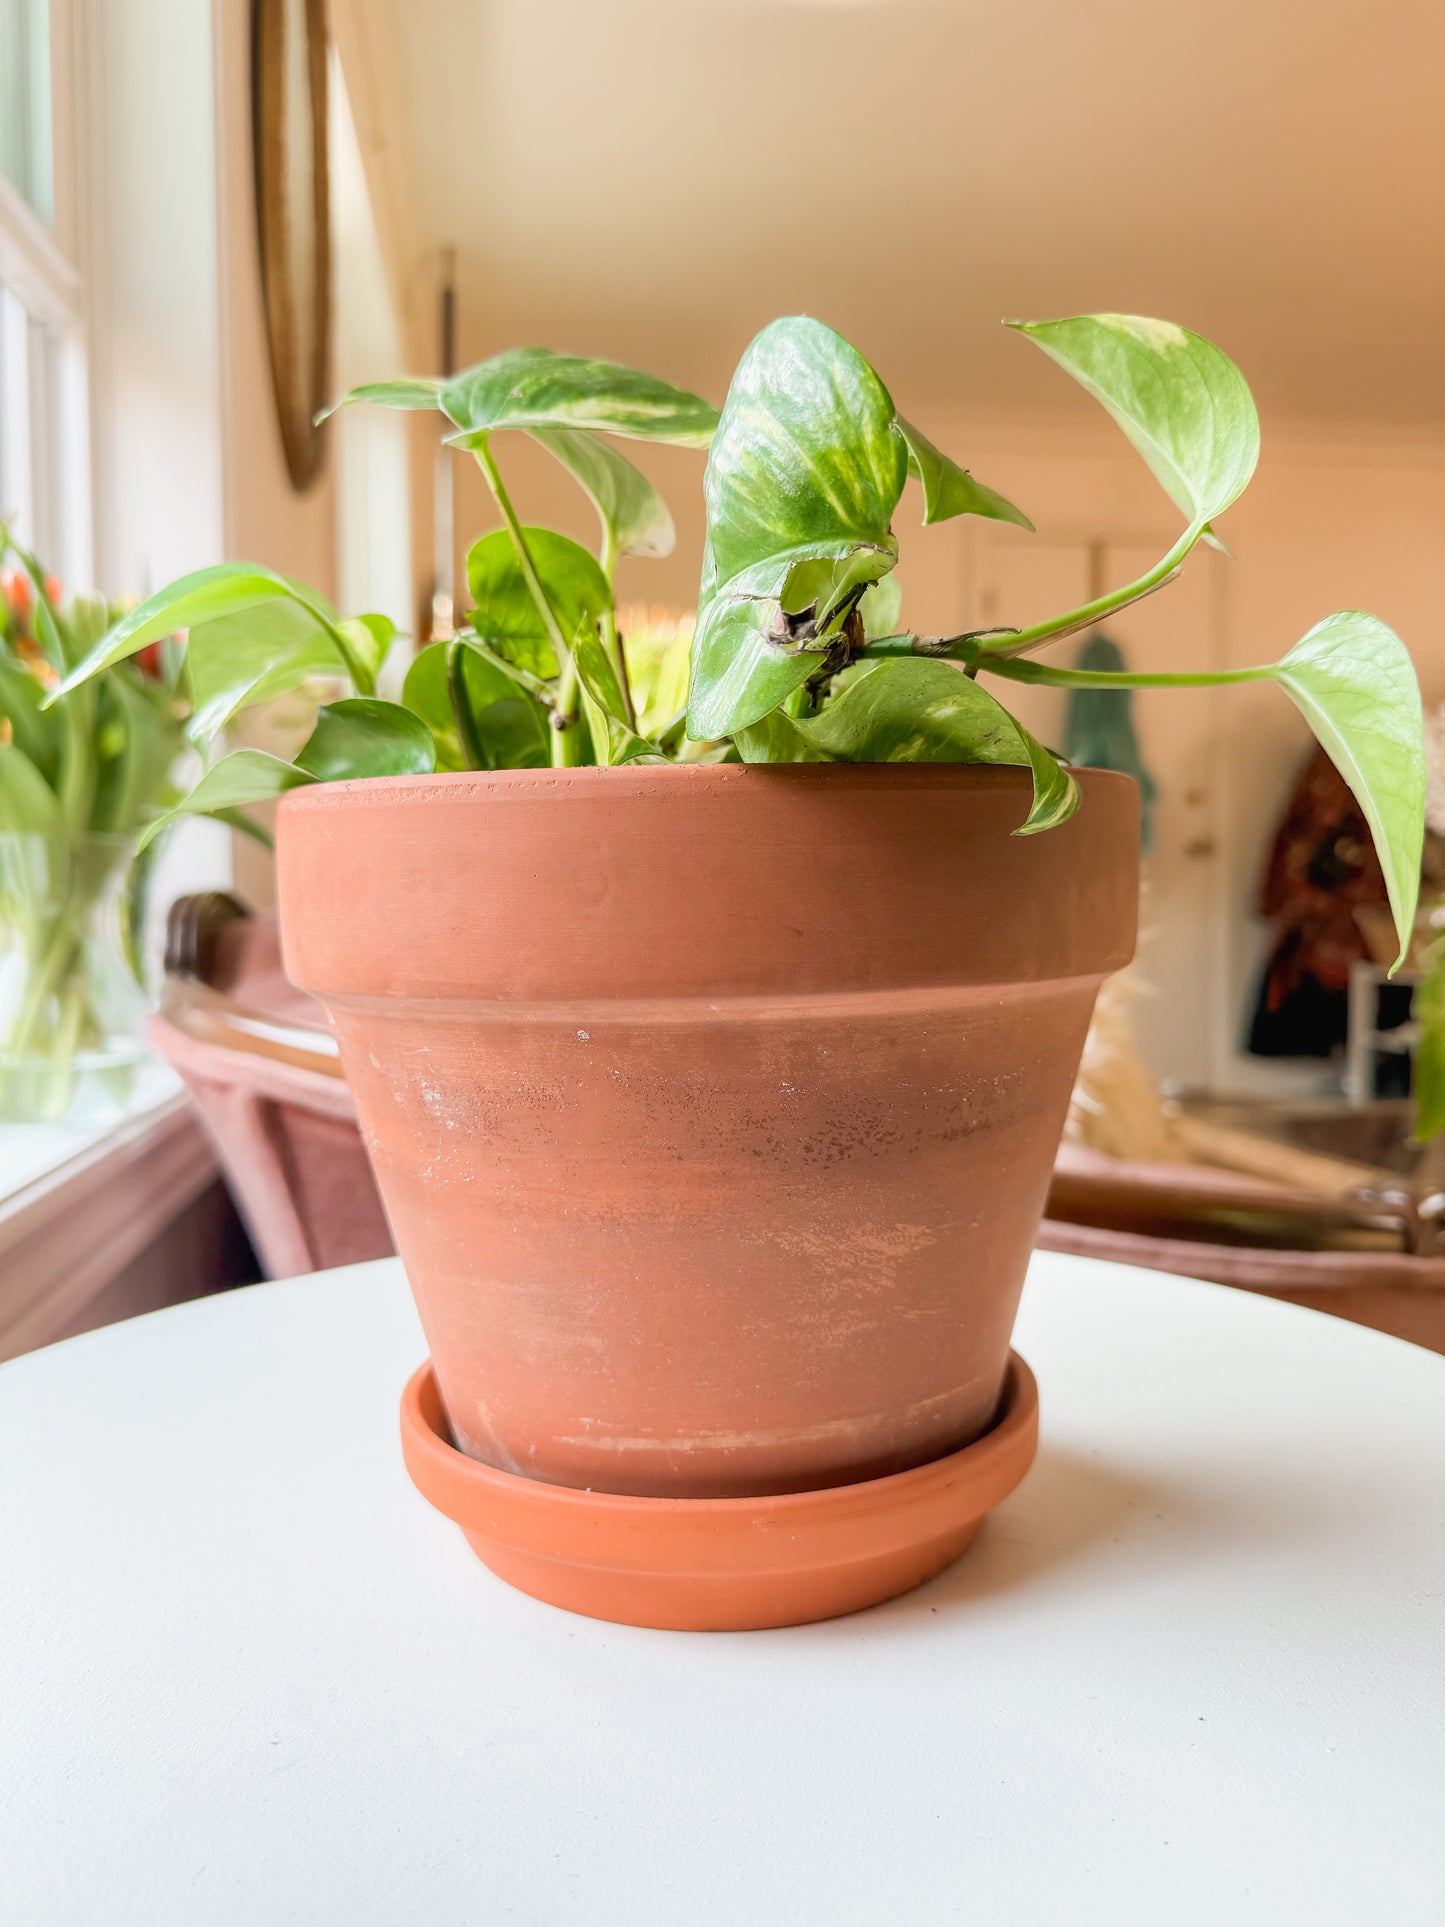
653,179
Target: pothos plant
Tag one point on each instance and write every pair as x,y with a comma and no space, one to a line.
798,654
537,675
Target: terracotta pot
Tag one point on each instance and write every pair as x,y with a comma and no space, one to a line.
713,1108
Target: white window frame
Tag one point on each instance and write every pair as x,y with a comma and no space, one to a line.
45,467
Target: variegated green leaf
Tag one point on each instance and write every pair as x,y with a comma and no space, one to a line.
949,490
1182,403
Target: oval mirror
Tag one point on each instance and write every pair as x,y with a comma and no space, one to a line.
289,132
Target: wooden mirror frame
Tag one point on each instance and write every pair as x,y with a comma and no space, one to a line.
301,379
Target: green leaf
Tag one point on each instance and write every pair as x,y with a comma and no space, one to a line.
777,738
425,690
407,391
242,824
598,676
1352,680
369,639
505,614
805,462
88,621
826,585
1056,793
363,736
245,776
22,704
882,608
225,590
49,632
506,728
520,678
634,516
236,661
949,490
425,693
614,738
738,673
28,805
75,786
535,388
513,732
1182,403
657,669
141,738
913,711
806,466
615,742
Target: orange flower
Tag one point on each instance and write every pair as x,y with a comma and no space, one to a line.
16,587
37,662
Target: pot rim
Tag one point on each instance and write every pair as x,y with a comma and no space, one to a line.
654,779
467,1490
526,901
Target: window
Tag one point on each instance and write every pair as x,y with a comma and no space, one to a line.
44,438
25,101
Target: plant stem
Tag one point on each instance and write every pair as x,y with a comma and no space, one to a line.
1043,672
76,788
536,686
569,735
991,648
1089,613
933,648
57,957
611,641
488,464
566,751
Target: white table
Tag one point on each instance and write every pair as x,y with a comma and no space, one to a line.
1193,1672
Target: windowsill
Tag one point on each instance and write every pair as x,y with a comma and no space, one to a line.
79,1202
32,1152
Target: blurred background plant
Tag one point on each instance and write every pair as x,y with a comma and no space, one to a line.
655,643
79,781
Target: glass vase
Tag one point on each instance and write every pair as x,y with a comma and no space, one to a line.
72,1017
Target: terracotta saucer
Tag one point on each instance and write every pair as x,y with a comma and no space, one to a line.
721,1565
